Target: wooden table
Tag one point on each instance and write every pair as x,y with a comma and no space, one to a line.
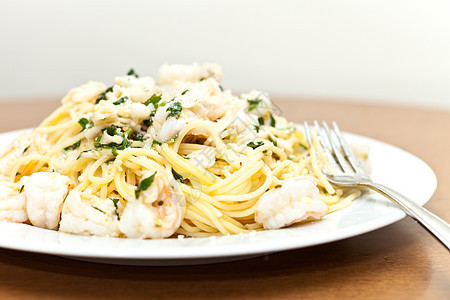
400,261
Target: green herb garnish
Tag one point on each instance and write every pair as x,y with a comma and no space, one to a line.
254,145
253,104
74,146
21,189
95,207
102,96
171,140
154,99
272,121
174,110
177,176
261,121
85,123
113,130
116,205
136,136
25,150
121,100
184,92
133,73
81,153
155,142
273,141
144,184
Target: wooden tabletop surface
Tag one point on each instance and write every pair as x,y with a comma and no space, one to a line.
399,261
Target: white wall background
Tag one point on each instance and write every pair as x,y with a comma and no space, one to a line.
392,51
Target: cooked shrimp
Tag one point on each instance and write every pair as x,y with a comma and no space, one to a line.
296,200
166,127
12,203
138,89
156,213
45,193
89,215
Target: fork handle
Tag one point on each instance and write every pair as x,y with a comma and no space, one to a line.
435,225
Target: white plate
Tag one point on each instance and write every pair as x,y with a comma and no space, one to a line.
391,166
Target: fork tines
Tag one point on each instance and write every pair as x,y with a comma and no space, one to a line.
336,149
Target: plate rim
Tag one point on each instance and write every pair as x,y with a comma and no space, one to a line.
231,250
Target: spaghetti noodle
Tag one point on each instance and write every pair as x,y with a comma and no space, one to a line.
179,156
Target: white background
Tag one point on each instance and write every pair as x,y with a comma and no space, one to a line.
387,51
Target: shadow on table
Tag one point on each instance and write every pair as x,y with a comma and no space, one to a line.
367,263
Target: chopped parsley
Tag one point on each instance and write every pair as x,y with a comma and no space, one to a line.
303,146
81,153
174,110
171,140
253,104
256,127
21,189
261,121
116,205
272,121
184,92
177,176
136,136
121,100
144,184
149,121
102,96
254,145
273,141
133,73
155,142
113,130
74,146
25,150
85,123
154,99
95,207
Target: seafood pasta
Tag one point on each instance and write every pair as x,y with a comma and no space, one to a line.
152,159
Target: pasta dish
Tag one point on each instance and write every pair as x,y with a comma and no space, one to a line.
176,156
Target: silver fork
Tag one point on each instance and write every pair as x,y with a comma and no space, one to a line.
348,172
